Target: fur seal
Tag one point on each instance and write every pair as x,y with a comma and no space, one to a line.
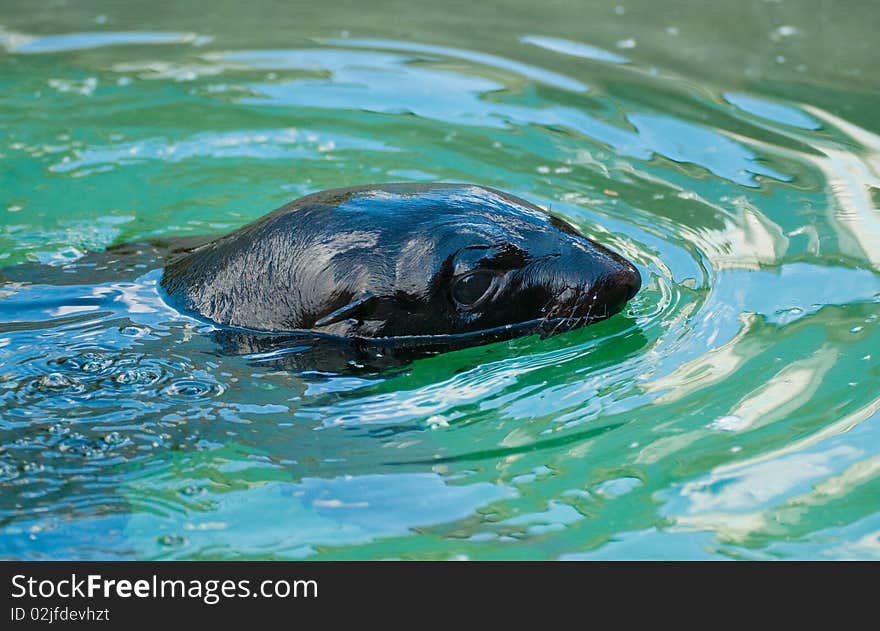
403,262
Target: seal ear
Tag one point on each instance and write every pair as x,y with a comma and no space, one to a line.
357,309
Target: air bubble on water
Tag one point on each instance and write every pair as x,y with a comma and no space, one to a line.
129,376
94,362
626,43
58,382
192,389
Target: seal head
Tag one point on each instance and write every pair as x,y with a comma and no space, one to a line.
403,260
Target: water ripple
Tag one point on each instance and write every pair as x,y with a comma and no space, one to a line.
729,412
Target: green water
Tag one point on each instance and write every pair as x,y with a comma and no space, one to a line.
731,151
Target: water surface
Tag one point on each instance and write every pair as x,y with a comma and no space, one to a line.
731,411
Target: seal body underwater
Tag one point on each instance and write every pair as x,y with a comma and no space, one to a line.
404,262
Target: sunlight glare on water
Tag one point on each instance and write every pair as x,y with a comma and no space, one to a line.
731,411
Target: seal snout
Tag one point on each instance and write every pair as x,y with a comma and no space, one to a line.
625,281
598,284
618,287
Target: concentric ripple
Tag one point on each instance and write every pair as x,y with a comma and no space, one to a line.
731,410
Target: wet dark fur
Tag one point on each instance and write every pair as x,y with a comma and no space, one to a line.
382,261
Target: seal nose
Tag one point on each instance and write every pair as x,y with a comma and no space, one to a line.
618,287
630,281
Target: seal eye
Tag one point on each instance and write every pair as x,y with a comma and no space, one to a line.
469,289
